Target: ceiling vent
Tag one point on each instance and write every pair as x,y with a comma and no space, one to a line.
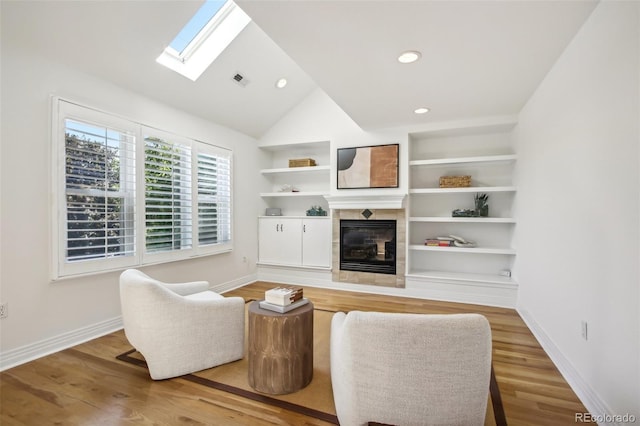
240,79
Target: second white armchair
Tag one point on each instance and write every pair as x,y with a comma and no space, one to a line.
410,369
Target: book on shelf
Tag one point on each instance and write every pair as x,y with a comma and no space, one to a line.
283,309
283,296
437,242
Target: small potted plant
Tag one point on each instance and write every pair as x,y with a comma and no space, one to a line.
482,208
316,211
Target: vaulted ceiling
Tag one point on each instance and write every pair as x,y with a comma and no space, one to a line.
479,58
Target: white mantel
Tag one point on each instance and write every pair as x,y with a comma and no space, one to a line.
386,201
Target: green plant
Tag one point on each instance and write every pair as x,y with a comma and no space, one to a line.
482,208
481,200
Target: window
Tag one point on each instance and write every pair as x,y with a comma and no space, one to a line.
196,24
129,195
204,38
99,191
214,197
168,202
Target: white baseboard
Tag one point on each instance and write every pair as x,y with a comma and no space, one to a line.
57,343
593,403
294,275
488,295
233,284
21,355
475,292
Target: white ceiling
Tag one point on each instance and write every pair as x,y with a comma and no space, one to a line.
480,58
119,41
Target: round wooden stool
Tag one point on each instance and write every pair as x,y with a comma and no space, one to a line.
280,349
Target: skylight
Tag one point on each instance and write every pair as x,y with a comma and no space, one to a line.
214,26
196,24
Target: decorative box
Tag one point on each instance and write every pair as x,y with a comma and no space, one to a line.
455,181
302,162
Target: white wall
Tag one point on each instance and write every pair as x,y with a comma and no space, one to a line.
578,209
45,315
319,118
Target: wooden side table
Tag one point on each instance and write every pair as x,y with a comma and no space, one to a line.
280,349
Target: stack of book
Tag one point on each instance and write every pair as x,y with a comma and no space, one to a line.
283,299
439,242
450,241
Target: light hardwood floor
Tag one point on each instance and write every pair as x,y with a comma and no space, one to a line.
86,385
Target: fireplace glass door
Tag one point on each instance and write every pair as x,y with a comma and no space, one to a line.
368,246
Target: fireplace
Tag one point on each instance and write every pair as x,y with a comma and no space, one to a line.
368,246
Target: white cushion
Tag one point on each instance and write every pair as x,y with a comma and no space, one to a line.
204,295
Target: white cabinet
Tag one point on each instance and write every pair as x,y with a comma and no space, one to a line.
486,155
311,183
280,240
295,241
316,242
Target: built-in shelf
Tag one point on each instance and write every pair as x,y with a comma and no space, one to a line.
464,160
485,153
462,190
294,170
463,277
294,194
311,182
470,250
298,146
444,219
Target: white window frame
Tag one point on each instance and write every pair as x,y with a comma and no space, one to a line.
208,44
225,244
63,109
169,255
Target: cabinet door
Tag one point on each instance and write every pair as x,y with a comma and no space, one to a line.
316,242
280,241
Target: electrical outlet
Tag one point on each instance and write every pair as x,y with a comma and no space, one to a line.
4,310
584,330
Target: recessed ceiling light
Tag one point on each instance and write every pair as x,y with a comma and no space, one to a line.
281,83
421,110
409,56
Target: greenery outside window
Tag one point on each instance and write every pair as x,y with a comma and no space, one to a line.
128,195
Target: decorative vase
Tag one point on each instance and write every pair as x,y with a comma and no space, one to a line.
482,208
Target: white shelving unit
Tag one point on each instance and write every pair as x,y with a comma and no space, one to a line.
307,194
463,160
486,155
460,277
462,219
311,183
460,190
296,170
473,250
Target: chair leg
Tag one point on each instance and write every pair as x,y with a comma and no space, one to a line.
496,400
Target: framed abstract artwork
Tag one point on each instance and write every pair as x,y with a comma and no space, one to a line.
368,167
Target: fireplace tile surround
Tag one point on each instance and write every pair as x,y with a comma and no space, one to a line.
383,280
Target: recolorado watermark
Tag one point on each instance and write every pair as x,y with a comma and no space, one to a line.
606,418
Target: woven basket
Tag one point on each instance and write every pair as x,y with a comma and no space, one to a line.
302,162
455,181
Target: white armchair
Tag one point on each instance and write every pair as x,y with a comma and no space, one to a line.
180,328
410,369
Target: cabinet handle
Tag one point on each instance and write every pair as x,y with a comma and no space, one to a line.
277,226
282,227
304,228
